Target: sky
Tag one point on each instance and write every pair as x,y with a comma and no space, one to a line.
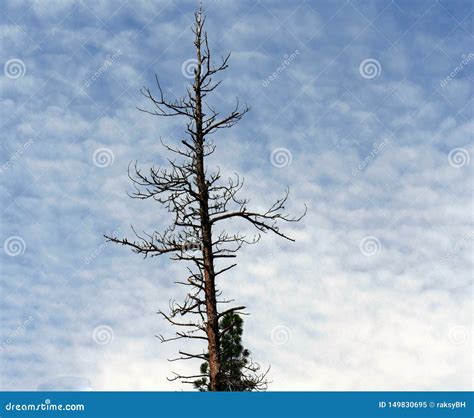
362,108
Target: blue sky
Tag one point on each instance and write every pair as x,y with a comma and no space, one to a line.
363,108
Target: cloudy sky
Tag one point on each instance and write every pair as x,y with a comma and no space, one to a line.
362,108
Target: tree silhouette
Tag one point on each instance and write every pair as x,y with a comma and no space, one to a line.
201,203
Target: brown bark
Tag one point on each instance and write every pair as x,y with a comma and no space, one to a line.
212,323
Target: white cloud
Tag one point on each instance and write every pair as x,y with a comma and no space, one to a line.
390,321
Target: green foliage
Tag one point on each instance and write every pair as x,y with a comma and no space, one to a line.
238,372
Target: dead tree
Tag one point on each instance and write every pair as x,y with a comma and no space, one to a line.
201,202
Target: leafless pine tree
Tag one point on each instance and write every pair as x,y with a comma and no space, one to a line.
201,202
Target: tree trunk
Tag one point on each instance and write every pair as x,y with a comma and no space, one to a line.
212,325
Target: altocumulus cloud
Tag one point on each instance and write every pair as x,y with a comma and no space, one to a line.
330,311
